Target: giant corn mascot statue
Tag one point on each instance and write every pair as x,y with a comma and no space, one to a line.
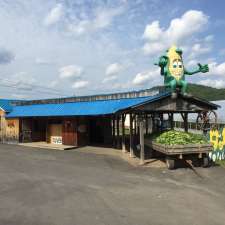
173,70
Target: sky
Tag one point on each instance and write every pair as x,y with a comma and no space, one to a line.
59,48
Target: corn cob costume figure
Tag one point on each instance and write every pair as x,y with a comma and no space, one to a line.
173,70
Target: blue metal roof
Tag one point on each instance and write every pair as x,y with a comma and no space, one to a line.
5,104
91,108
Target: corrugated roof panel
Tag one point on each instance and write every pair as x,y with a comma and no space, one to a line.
79,108
5,104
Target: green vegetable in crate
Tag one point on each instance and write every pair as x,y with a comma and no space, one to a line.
179,138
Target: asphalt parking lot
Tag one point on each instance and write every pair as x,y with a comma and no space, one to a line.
48,187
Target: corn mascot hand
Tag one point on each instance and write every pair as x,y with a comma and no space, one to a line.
203,68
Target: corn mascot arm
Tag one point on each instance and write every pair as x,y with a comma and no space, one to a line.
173,70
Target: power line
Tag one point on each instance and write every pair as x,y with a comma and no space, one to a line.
31,87
36,93
27,90
30,84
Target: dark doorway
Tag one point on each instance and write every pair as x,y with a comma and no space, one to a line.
39,126
26,130
33,129
100,131
69,132
96,131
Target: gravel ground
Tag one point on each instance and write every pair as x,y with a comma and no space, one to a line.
49,187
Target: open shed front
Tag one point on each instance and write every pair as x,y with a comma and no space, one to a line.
73,131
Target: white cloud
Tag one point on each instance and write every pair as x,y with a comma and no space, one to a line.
213,83
70,72
103,17
216,75
217,69
179,30
41,61
53,83
192,63
199,49
153,32
145,77
113,69
118,86
209,38
154,48
109,79
54,15
80,84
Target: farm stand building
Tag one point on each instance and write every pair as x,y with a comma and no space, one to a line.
88,120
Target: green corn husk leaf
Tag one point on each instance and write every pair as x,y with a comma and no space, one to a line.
173,137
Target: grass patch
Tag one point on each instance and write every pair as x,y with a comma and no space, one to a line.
221,163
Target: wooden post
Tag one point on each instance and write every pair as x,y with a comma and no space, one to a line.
138,129
171,120
186,123
47,131
118,131
185,118
161,121
142,145
135,125
153,123
131,137
146,123
123,134
113,131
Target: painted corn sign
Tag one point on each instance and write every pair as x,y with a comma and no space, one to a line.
217,138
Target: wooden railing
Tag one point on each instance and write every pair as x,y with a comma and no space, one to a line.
193,125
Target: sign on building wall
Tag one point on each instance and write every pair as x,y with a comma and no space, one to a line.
56,140
11,131
217,138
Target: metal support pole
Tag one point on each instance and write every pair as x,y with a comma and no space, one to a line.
118,131
123,134
142,146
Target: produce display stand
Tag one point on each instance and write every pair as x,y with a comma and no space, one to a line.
174,152
157,115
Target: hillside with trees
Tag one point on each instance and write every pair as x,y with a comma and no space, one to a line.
209,93
201,91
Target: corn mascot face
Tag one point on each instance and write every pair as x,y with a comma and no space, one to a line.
175,64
